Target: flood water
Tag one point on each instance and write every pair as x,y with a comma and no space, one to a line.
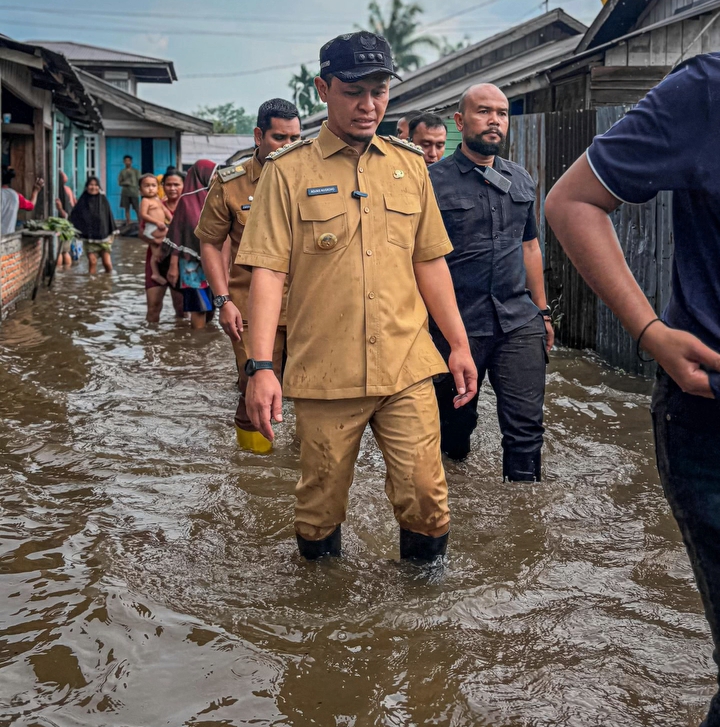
149,574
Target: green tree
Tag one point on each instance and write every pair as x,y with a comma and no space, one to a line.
400,27
227,118
305,95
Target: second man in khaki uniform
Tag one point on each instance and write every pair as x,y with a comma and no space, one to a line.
224,216
351,221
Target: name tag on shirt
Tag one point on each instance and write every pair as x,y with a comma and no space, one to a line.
245,207
315,191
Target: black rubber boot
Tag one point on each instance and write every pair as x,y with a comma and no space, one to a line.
314,549
422,547
522,467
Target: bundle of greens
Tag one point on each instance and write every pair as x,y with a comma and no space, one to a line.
65,230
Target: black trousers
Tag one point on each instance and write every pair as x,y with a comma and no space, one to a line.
687,444
515,363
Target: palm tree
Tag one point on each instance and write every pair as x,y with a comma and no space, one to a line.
399,29
305,94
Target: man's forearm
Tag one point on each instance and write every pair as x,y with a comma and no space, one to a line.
436,288
265,302
534,279
215,268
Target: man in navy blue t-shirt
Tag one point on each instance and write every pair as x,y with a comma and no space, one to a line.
670,141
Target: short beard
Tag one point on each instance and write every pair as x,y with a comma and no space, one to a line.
485,148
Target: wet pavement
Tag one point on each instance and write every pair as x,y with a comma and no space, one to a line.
149,575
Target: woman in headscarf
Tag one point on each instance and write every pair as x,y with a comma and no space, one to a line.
185,263
93,217
64,204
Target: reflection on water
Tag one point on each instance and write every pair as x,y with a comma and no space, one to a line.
149,575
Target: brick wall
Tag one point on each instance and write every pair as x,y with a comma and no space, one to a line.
19,262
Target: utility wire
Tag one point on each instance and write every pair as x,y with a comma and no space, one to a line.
236,74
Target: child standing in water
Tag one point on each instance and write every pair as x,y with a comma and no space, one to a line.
154,219
93,217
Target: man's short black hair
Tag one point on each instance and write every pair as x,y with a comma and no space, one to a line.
275,108
432,121
127,156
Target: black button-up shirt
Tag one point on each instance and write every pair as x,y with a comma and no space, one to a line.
487,229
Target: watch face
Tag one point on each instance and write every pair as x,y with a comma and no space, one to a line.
250,367
220,300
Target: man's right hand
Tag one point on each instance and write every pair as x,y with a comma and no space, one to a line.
231,321
682,355
263,399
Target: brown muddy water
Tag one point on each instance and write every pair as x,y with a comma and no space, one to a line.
149,575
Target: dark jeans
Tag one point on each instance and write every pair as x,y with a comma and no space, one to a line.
515,363
687,442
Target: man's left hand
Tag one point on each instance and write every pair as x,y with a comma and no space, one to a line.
463,369
550,331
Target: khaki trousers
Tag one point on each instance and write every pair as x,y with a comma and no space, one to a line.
406,426
241,356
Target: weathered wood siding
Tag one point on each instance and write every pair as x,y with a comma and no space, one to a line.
527,148
546,145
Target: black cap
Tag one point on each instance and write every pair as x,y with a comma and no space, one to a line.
356,55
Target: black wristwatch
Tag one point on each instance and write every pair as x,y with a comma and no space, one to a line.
252,366
220,300
546,313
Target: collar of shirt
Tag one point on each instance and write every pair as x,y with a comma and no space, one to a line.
467,165
253,167
331,144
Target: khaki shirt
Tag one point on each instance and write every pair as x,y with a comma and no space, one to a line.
357,325
224,213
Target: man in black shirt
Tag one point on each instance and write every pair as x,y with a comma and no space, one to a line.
488,207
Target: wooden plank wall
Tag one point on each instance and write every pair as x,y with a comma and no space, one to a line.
546,145
668,45
527,148
567,136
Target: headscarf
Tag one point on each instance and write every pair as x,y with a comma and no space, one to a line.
93,216
181,235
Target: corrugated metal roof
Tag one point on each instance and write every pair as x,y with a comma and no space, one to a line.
75,52
143,109
215,147
502,75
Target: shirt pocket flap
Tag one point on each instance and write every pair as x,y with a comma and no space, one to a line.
457,203
522,194
320,209
406,204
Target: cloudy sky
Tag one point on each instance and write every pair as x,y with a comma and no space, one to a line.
242,51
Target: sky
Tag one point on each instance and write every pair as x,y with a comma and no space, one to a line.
242,51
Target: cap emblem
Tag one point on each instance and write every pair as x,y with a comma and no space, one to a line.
368,42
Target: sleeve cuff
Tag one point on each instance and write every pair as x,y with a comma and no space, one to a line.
215,240
258,260
602,181
432,253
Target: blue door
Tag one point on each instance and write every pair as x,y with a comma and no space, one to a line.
116,148
162,155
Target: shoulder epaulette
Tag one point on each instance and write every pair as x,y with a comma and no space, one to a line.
404,143
231,172
288,147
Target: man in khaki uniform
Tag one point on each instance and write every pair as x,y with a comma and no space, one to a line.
223,218
351,220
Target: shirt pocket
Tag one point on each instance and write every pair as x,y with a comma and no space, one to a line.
516,210
458,217
241,216
324,225
402,213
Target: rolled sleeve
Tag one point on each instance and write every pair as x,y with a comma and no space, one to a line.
431,238
267,239
658,145
530,232
216,217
